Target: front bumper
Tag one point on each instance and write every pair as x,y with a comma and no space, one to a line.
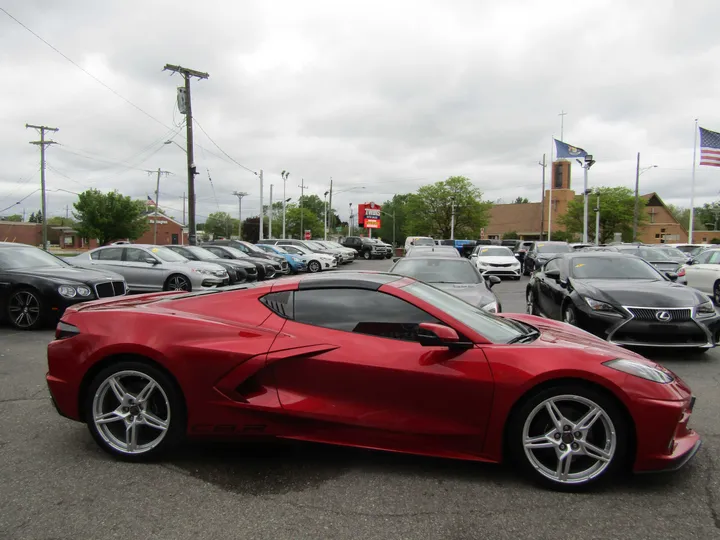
211,282
501,271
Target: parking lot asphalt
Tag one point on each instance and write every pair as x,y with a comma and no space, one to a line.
56,484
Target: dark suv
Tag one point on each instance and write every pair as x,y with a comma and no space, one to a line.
542,252
365,247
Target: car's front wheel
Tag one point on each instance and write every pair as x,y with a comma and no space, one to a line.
25,309
367,255
569,437
134,411
569,315
177,282
314,266
531,307
716,293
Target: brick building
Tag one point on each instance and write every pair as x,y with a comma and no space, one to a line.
21,232
169,231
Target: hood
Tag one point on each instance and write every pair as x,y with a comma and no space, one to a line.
476,294
70,274
235,263
639,292
202,265
257,260
510,259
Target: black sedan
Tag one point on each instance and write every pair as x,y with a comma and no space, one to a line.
252,250
36,287
455,275
542,252
623,299
266,268
238,271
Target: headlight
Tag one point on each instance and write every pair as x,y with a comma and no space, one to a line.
67,292
602,307
202,271
295,259
83,291
705,310
515,264
491,307
641,370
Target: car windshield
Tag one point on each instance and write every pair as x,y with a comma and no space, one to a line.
235,252
314,245
28,257
612,268
438,270
325,245
201,253
335,245
167,255
560,247
649,254
697,250
301,249
689,249
673,252
273,249
423,242
495,252
496,329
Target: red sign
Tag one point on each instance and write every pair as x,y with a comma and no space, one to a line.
308,235
369,215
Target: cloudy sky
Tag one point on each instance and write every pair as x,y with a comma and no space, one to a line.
381,96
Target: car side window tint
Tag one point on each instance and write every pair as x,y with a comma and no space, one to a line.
703,258
360,311
552,265
136,255
110,254
714,257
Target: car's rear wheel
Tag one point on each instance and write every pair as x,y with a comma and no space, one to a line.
314,266
178,282
25,309
569,437
569,315
716,293
134,411
530,301
367,255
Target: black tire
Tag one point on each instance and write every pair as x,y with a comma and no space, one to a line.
600,434
716,293
530,303
526,271
25,309
569,314
177,282
388,256
367,255
314,266
170,393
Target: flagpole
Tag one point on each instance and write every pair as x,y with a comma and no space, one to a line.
552,179
692,188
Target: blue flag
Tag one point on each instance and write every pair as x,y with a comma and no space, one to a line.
564,150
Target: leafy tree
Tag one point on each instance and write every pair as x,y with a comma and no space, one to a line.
220,224
59,221
521,200
32,219
36,217
617,206
13,217
708,216
430,209
399,205
292,223
109,216
564,236
715,240
512,235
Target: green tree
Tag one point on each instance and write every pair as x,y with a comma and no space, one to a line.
564,236
13,217
220,224
109,216
616,214
399,205
59,221
32,219
707,217
521,200
512,235
292,222
430,209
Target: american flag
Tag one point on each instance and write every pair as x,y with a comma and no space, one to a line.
149,201
709,148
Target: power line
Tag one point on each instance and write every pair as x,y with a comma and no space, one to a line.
223,151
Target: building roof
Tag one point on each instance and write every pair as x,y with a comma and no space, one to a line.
520,218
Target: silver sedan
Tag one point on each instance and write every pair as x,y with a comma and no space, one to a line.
149,268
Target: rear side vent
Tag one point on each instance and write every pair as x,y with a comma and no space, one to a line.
280,303
250,388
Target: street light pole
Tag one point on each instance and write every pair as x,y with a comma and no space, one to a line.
597,221
452,219
636,209
325,214
589,161
270,216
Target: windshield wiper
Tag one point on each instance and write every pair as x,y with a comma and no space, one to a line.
530,336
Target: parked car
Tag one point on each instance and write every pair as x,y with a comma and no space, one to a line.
623,299
266,268
541,252
433,251
521,250
348,254
296,263
703,274
412,241
389,251
652,255
386,361
238,271
674,254
314,260
36,287
340,256
456,275
252,250
148,268
496,261
365,247
691,249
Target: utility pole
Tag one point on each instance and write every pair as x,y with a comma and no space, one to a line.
43,143
597,221
330,208
452,219
183,208
240,195
636,209
270,214
302,194
350,221
562,124
187,74
262,209
325,216
542,198
67,211
157,201
284,175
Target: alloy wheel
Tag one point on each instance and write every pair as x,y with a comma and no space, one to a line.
569,315
530,303
314,266
367,255
569,439
716,293
24,309
131,412
178,283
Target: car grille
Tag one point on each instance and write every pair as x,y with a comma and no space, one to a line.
650,314
251,271
284,265
110,289
500,265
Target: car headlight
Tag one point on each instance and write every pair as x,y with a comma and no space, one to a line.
295,259
67,292
491,307
638,369
83,291
202,271
705,310
601,307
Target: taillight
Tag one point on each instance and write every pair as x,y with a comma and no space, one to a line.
681,272
65,330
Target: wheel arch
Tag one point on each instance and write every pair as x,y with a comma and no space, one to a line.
176,273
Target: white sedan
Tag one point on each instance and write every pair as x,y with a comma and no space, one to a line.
703,274
315,261
496,261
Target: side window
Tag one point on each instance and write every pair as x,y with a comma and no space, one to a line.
110,254
360,311
715,257
552,265
703,258
136,255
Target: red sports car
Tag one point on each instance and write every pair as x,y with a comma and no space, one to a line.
370,360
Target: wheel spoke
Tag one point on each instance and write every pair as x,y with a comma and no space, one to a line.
112,416
563,467
587,421
555,415
131,435
117,388
596,453
541,441
145,392
154,422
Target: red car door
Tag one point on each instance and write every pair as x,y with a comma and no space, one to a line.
362,380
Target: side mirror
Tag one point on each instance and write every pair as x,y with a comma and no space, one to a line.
151,260
438,335
492,281
672,276
553,274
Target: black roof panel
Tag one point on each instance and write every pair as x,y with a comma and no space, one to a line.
347,279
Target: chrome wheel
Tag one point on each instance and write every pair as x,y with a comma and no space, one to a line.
569,315
131,412
314,266
24,309
716,293
569,439
178,283
530,303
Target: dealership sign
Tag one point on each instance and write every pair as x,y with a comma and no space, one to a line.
369,215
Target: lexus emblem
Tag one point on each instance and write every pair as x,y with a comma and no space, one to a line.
663,316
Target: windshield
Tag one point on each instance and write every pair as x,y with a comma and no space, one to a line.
649,254
438,270
423,242
235,252
201,253
495,252
689,249
612,268
560,247
314,245
494,328
673,252
273,249
299,249
27,257
167,255
335,245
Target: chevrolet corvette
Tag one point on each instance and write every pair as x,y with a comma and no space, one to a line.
370,360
